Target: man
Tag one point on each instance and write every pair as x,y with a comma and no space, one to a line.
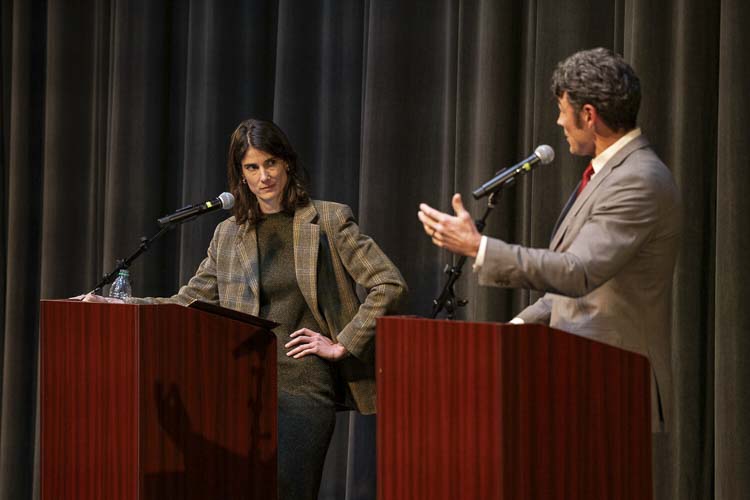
608,271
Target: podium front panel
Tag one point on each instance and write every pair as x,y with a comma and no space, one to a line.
483,410
155,402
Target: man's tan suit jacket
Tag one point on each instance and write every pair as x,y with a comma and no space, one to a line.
608,270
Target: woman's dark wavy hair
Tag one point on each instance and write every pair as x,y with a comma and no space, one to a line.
603,79
265,136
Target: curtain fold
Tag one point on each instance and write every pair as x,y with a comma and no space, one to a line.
731,375
24,84
115,113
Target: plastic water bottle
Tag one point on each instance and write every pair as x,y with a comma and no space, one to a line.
121,289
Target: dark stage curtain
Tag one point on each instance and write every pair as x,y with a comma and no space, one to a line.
116,112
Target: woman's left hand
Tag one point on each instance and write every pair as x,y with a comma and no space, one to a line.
306,341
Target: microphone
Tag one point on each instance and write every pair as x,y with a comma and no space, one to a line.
224,200
543,154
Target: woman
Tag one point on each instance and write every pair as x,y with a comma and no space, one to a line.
296,261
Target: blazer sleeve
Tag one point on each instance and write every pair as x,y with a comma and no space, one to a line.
370,268
618,225
202,286
538,312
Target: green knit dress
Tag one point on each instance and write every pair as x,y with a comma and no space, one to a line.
306,386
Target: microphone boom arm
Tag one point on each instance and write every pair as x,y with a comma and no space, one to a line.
125,263
224,200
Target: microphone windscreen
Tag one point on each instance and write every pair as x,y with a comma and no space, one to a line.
227,200
545,153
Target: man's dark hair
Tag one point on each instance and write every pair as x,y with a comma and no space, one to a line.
603,79
264,136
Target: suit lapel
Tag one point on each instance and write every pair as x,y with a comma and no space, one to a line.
247,250
614,162
564,212
306,243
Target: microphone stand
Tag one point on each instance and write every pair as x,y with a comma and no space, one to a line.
125,263
447,299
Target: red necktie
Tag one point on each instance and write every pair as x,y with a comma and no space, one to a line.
586,178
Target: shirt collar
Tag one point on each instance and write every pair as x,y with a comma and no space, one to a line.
601,160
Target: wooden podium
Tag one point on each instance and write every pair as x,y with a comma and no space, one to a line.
156,402
492,411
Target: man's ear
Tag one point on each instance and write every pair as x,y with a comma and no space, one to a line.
589,115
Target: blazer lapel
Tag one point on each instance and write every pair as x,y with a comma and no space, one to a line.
306,243
614,162
247,250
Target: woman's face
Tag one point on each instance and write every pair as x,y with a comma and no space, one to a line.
266,176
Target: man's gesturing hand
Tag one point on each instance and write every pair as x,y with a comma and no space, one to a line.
455,233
